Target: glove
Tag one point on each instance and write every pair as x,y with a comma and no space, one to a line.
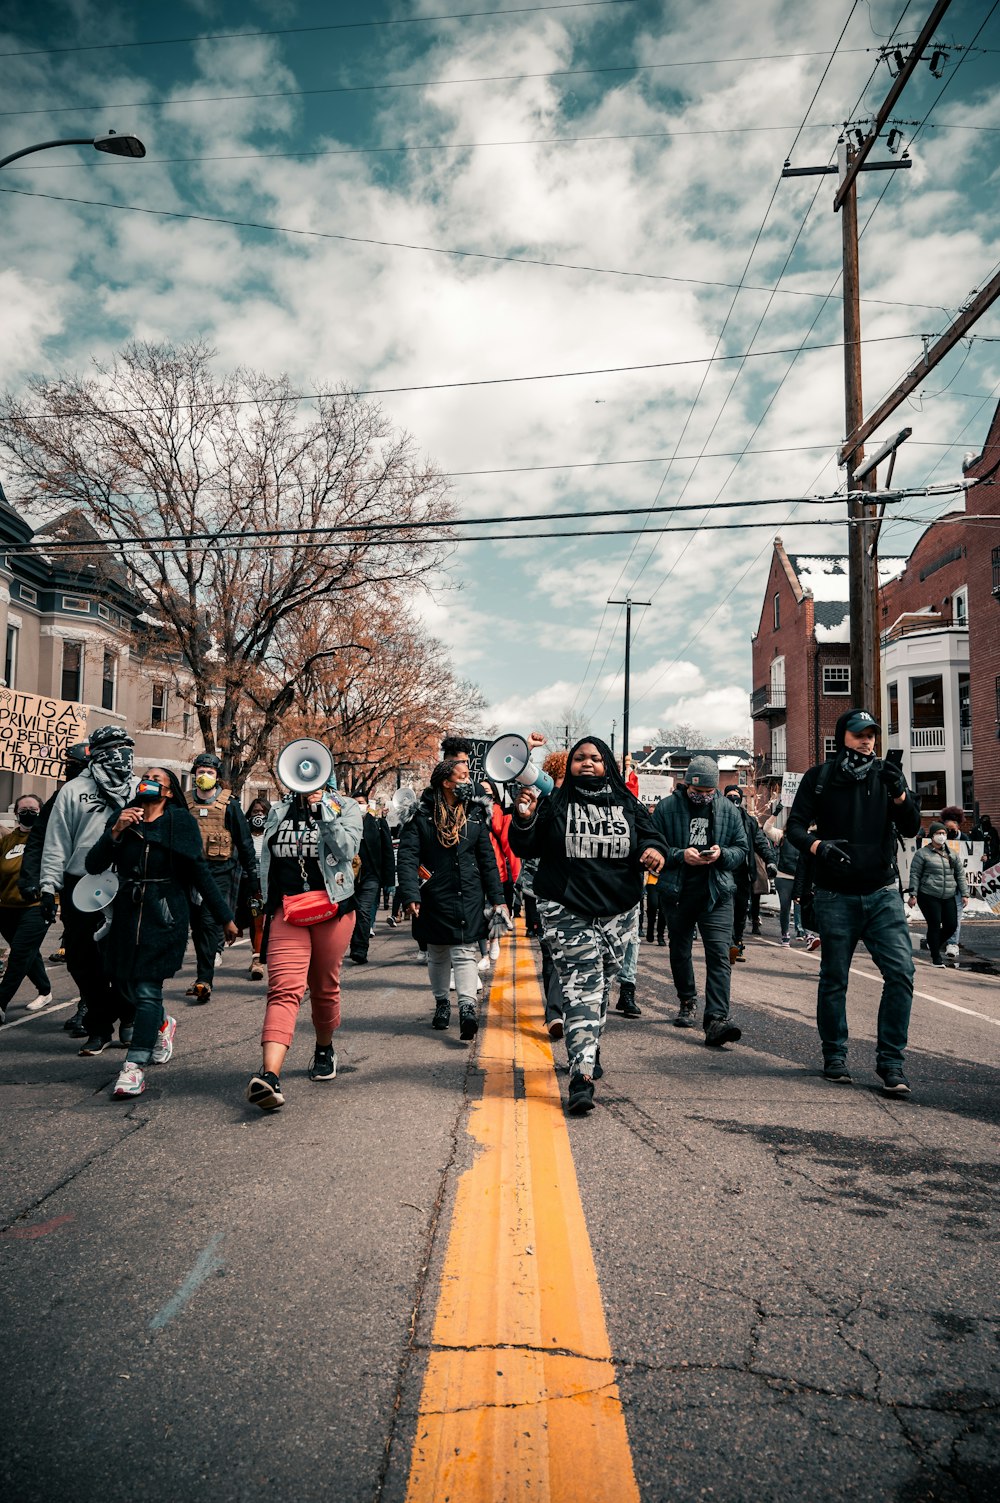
892,779
48,907
771,869
833,852
29,894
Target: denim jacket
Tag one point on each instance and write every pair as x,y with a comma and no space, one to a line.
341,824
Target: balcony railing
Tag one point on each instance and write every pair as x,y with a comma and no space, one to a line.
772,766
768,700
927,738
966,734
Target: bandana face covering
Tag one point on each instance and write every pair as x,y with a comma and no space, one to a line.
112,769
856,764
590,785
700,797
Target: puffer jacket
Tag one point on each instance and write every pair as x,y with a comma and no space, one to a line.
672,823
937,874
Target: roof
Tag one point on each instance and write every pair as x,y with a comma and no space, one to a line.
825,577
661,758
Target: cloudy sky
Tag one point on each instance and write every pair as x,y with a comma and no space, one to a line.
643,314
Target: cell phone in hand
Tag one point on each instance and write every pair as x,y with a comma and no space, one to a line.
895,756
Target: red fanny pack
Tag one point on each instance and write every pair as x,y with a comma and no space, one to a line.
306,908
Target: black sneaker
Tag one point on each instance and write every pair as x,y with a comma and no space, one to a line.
392,922
581,1095
895,1083
686,1015
324,1064
95,1046
264,1091
468,1023
442,1013
837,1071
626,1004
720,1031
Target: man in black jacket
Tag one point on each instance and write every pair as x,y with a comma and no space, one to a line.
377,870
845,817
228,847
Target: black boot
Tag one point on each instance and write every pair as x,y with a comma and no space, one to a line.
468,1023
442,1013
627,1005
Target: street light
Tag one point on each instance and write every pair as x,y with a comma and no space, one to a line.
115,145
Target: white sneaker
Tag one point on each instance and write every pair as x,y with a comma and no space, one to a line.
950,950
484,964
131,1082
37,1003
494,949
164,1047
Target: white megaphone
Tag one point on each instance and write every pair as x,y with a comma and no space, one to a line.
92,894
400,804
508,760
304,765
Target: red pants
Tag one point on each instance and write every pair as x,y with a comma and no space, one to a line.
301,957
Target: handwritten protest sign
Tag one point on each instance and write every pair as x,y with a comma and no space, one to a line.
789,788
991,887
35,731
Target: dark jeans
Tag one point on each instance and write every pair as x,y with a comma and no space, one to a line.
366,895
941,915
531,920
23,929
101,999
878,919
206,932
786,908
147,999
741,906
715,925
656,912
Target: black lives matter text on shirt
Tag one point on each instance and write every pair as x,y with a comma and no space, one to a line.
294,846
597,830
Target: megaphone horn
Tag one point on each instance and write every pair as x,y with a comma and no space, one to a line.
508,760
304,765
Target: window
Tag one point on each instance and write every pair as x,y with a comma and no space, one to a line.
968,793
829,746
996,572
187,723
72,670
10,659
965,710
104,613
836,679
75,603
778,748
109,680
960,607
158,712
893,695
31,596
777,612
931,790
927,703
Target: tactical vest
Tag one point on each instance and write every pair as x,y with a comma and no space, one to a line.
211,819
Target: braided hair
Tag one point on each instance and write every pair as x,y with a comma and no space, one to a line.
449,819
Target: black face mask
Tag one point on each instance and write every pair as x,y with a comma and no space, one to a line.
464,792
589,782
27,817
258,821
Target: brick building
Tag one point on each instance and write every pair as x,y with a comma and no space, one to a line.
982,542
801,659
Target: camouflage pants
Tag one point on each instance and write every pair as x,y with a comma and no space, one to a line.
587,955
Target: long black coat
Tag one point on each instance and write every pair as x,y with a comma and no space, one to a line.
463,878
156,864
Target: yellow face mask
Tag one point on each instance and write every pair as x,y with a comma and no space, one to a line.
206,781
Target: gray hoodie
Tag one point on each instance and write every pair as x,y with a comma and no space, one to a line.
78,819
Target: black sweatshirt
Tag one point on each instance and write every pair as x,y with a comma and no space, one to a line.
860,815
588,852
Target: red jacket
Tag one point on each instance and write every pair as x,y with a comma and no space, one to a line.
508,865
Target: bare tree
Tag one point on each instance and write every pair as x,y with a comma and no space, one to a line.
238,514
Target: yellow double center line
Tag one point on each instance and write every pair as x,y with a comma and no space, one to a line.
520,1398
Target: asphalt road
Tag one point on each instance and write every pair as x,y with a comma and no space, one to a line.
799,1280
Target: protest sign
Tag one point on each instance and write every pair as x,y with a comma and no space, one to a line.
991,887
35,731
969,852
653,786
789,788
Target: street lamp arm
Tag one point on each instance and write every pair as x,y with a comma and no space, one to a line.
44,145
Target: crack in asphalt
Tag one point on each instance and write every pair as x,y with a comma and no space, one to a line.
135,1125
550,1396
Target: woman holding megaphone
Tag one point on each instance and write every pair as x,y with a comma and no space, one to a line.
310,840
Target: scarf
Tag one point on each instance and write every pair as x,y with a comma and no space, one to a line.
856,766
112,770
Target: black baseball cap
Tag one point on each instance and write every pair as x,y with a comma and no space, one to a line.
860,721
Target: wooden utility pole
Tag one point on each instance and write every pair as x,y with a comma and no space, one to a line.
628,603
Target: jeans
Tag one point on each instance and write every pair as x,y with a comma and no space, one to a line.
940,916
205,931
787,909
147,999
23,929
716,928
366,895
462,959
877,918
741,905
630,964
656,912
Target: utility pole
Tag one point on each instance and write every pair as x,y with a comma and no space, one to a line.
628,603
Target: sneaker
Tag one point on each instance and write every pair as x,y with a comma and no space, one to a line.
360,959
76,1021
555,1028
484,964
895,1083
442,1013
494,949
58,957
836,1070
37,1003
94,1046
324,1065
264,1091
720,1031
256,970
626,1003
163,1049
950,950
468,1023
813,943
757,930
201,991
581,1095
393,923
939,962
686,1015
131,1082
786,941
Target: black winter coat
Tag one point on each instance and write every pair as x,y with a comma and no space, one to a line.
156,864
463,878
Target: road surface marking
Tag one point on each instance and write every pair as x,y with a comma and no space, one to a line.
207,1263
32,1017
520,1398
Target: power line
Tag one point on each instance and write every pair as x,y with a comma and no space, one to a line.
287,31
421,83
